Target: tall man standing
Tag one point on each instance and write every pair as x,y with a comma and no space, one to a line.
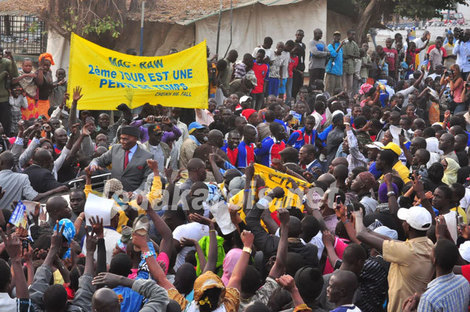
129,160
317,59
334,68
7,69
350,56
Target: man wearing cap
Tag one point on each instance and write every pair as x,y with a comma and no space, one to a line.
270,147
387,161
128,160
334,68
197,136
411,267
251,116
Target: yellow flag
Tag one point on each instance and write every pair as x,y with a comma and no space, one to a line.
273,178
109,78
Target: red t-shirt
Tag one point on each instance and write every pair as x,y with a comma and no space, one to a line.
466,271
261,70
391,53
294,61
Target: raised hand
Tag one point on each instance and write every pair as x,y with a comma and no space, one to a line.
200,219
187,242
247,238
57,237
91,242
283,215
77,93
277,192
97,226
286,281
12,243
109,279
153,164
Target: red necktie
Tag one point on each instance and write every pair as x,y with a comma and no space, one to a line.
126,159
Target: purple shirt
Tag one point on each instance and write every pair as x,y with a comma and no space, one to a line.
168,136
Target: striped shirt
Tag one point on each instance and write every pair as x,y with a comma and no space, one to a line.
446,293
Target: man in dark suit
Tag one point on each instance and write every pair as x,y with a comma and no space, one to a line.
128,160
40,174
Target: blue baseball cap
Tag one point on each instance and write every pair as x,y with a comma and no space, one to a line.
194,126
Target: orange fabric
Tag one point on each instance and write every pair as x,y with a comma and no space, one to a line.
47,56
43,107
434,113
31,111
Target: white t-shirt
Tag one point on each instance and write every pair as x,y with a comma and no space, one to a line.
420,44
269,52
192,230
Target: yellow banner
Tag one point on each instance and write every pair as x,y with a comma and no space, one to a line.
109,78
272,179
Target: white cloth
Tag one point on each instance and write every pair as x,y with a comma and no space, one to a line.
451,220
7,304
111,237
432,145
370,204
192,230
420,44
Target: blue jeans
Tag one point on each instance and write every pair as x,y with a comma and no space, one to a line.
273,88
288,90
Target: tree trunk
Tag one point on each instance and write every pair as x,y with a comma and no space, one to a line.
366,19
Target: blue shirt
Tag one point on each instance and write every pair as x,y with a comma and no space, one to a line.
445,293
462,50
132,152
335,63
131,300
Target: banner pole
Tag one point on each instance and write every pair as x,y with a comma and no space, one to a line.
142,29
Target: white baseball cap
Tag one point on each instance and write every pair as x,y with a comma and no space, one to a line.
464,251
417,217
245,98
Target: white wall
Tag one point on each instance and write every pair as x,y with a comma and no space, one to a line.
252,23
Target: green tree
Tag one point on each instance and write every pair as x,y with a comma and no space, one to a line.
372,12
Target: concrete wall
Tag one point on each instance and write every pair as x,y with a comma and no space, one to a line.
338,22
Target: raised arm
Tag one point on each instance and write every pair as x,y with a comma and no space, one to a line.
240,268
365,235
77,95
279,266
13,248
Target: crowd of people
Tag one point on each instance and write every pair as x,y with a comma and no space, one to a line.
378,140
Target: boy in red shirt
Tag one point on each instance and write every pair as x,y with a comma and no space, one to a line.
261,72
392,58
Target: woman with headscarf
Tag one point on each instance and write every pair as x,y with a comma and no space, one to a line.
230,261
451,167
44,82
210,293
